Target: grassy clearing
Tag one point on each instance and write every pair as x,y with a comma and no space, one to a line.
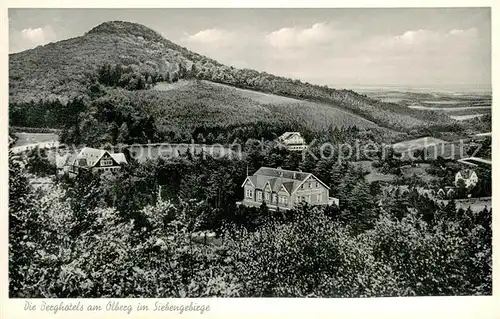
419,171
319,115
259,97
379,177
165,86
465,117
373,175
207,103
24,138
447,109
469,112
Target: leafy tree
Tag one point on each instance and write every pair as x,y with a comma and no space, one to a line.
123,134
461,189
38,163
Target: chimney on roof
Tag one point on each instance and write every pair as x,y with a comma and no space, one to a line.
280,172
294,175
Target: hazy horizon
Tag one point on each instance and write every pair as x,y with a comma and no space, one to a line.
483,89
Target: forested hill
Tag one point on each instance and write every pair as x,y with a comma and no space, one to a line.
134,57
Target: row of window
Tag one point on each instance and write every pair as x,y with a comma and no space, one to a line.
106,162
109,168
297,147
307,198
282,199
309,185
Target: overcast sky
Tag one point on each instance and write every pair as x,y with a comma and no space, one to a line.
338,47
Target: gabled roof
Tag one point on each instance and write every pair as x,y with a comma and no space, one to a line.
287,135
119,158
248,179
278,178
91,155
286,174
289,186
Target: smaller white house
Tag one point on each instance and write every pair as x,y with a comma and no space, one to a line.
468,176
293,141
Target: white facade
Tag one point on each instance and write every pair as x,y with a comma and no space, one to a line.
293,141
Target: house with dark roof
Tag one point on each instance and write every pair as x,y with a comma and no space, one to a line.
293,141
93,159
469,176
283,189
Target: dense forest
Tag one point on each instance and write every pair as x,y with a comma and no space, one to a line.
147,245
197,111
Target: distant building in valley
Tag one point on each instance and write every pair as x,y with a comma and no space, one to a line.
469,176
282,189
91,159
293,141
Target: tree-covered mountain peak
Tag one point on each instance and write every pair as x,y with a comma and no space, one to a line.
126,28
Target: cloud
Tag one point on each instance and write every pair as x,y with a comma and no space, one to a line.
214,36
318,34
226,46
324,53
427,41
38,36
422,56
28,38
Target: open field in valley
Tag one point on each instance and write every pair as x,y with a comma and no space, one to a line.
447,109
458,106
465,117
33,138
